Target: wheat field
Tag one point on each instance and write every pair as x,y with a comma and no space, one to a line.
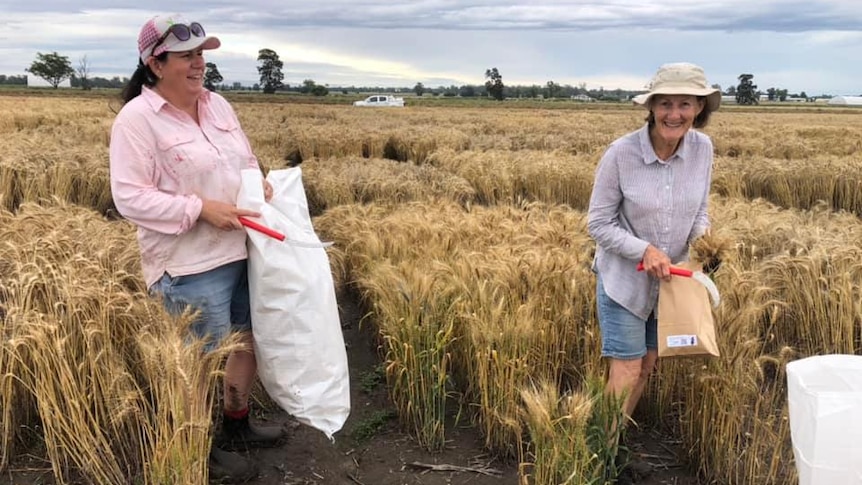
463,232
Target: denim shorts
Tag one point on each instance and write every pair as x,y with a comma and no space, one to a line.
625,336
220,294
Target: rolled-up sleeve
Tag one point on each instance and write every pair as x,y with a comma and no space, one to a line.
133,172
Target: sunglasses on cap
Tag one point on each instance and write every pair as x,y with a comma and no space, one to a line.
182,32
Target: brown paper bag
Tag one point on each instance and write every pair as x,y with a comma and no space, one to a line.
685,323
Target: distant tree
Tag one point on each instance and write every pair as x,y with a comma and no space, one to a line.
803,95
311,87
21,80
100,82
83,71
770,94
533,91
307,86
494,83
212,76
552,89
53,68
781,94
731,91
467,91
419,89
269,68
319,90
746,91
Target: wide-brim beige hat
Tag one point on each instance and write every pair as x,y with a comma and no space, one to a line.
681,78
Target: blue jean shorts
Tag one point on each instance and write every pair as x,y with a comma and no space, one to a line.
625,336
220,294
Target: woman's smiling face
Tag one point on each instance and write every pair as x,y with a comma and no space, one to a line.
183,73
674,115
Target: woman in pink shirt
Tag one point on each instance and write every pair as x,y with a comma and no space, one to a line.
176,155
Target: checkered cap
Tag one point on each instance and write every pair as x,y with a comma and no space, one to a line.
155,27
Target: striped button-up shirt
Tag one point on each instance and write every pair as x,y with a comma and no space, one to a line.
639,200
163,164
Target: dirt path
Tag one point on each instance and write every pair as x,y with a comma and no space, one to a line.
371,449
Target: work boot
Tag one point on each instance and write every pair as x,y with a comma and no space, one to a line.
241,434
227,467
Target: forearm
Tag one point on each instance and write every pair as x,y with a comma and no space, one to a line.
617,240
157,211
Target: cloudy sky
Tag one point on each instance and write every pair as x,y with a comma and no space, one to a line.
812,45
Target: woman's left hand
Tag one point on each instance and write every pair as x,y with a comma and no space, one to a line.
267,191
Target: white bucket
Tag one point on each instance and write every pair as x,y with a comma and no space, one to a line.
824,395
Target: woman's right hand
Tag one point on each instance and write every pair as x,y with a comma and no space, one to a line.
223,216
656,263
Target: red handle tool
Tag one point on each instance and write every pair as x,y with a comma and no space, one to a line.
673,270
261,228
697,276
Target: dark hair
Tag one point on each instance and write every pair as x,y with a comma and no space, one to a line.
699,122
143,76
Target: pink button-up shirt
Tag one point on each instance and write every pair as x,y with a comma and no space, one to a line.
163,165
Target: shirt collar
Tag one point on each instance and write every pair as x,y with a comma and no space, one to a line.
649,152
156,102
152,98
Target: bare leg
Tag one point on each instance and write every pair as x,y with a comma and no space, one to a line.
629,377
647,365
240,371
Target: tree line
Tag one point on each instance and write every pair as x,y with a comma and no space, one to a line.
55,68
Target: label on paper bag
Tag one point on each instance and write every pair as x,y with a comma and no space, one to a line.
674,341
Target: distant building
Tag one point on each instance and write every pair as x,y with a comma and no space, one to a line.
728,99
38,82
846,100
582,97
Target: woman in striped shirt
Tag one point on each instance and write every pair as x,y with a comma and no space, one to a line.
649,202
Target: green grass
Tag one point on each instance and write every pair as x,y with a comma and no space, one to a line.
369,427
369,381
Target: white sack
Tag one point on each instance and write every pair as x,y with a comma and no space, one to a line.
824,395
301,359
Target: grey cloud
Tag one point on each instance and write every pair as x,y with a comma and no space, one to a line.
531,41
730,15
560,15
